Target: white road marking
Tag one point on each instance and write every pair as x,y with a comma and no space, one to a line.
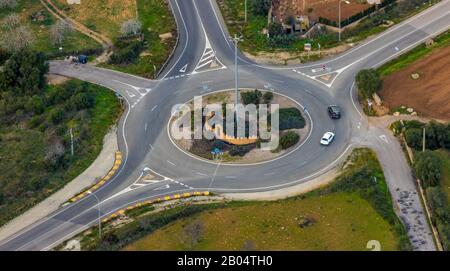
154,107
145,127
230,177
384,138
164,187
171,163
183,70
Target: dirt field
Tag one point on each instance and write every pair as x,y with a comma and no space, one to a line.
320,8
430,94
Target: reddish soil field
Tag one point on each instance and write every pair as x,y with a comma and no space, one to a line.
330,9
428,95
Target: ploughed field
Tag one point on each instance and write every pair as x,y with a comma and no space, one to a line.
429,94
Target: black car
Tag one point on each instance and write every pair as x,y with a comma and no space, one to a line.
334,111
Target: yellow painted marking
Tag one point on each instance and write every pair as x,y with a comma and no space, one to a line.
206,193
187,194
176,196
167,198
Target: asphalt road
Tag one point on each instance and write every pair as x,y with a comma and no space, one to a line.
144,141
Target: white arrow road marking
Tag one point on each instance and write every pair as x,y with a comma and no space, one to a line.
164,187
183,70
130,94
384,138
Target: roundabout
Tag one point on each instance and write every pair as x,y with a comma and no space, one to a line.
247,150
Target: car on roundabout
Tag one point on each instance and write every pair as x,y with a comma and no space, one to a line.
327,138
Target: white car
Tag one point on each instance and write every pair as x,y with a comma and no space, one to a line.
327,138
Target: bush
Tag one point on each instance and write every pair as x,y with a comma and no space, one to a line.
428,167
414,138
56,115
251,97
240,150
368,82
127,52
291,118
289,139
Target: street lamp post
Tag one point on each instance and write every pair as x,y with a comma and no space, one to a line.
347,2
236,41
99,215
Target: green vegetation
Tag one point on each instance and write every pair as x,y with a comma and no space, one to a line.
415,54
291,118
445,174
289,139
36,22
156,18
437,135
428,168
35,120
304,223
432,167
368,82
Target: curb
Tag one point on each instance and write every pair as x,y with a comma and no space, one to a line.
107,177
150,202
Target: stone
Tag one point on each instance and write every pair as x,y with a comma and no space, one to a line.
396,114
166,36
410,110
415,76
305,222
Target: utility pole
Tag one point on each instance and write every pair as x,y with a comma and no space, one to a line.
71,140
236,41
423,141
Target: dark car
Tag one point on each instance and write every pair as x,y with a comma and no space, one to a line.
334,111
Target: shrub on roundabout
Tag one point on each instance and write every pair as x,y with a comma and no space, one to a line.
289,139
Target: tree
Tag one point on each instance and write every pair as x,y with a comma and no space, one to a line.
24,73
11,21
59,30
17,39
131,27
261,7
428,167
414,138
368,82
8,4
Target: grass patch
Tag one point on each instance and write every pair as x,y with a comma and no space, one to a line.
74,41
156,18
415,54
29,148
335,225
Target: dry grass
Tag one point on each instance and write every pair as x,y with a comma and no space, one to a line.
104,16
